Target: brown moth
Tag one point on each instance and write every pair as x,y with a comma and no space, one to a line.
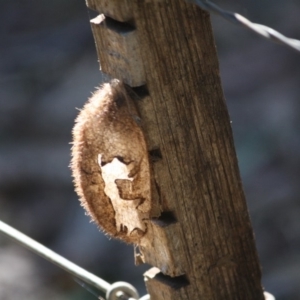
110,163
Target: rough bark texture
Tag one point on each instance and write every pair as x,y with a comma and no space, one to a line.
203,242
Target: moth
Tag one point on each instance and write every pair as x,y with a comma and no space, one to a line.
110,163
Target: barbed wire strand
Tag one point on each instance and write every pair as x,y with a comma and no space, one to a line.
262,30
60,261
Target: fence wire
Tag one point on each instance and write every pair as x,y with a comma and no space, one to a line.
118,290
262,30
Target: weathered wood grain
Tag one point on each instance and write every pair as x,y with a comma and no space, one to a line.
208,239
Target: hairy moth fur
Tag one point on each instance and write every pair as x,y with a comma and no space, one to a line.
110,163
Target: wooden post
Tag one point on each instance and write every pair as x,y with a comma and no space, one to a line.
200,243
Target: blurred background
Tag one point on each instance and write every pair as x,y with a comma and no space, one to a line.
48,68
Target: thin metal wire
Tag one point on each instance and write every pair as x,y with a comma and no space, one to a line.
262,30
53,257
60,261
